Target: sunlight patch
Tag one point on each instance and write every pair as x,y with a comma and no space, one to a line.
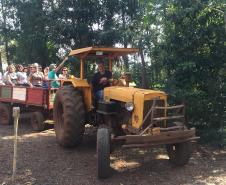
162,156
31,135
122,165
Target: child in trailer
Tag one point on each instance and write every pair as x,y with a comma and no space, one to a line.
25,70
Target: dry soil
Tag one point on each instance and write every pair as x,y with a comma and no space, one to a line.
41,161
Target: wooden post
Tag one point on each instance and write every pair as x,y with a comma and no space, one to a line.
81,68
1,68
16,115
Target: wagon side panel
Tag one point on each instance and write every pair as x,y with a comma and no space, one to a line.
35,96
6,93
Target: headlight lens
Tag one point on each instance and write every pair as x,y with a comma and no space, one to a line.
129,106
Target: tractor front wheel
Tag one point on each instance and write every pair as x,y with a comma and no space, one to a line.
103,152
179,153
69,116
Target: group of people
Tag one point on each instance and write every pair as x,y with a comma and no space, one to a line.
33,76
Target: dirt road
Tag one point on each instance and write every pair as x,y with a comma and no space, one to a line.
42,162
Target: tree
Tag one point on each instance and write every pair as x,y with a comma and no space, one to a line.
7,15
194,54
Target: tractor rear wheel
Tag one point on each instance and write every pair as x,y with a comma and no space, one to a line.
103,152
5,114
180,153
37,121
69,116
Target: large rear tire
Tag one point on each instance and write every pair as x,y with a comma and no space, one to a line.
103,152
5,114
69,116
180,153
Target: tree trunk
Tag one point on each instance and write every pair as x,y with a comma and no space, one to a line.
5,34
125,58
225,20
6,48
143,68
1,69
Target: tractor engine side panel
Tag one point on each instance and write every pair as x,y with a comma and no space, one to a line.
141,98
142,104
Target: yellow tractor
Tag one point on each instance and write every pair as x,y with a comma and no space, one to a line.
130,116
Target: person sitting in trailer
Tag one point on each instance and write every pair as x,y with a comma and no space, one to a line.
45,79
40,68
30,69
1,79
100,81
53,69
25,70
36,77
10,77
64,75
21,76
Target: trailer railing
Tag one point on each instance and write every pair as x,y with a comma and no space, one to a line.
35,96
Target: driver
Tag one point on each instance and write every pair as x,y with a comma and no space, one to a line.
100,81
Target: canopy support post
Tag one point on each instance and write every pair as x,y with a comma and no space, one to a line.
110,64
81,68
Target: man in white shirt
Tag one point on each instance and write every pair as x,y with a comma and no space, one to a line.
21,76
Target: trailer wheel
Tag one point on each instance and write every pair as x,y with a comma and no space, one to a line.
69,116
103,152
180,153
5,114
37,121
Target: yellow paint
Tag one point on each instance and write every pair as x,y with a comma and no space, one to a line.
87,97
81,68
110,64
135,95
122,94
119,93
82,53
83,85
137,116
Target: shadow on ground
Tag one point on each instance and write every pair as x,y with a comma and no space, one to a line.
42,161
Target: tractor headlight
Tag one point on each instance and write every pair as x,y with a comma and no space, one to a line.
129,106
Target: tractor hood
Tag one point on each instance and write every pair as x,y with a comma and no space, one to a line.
127,94
141,98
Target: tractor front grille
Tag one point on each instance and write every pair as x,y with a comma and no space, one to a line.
157,113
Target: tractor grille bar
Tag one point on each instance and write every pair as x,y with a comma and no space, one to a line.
157,112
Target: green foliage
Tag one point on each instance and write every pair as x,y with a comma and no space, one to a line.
194,55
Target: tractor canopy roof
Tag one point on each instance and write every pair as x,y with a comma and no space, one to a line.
101,52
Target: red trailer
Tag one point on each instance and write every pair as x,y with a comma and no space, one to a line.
38,101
